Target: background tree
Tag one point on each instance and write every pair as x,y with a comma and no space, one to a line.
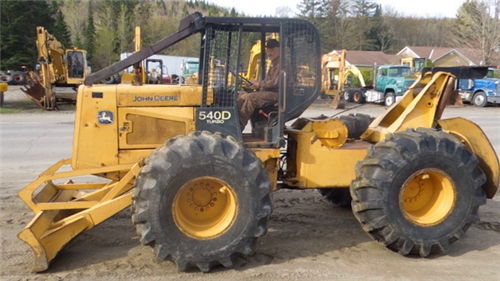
89,35
478,27
377,29
19,20
61,30
75,20
364,11
311,10
105,28
284,12
338,26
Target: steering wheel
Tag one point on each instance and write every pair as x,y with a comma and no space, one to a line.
246,83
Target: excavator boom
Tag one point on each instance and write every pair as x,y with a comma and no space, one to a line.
59,66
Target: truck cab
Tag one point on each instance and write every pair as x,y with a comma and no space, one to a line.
390,84
481,92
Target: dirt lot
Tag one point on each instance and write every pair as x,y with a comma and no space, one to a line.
308,237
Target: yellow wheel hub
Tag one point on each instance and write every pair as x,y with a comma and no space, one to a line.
205,208
427,197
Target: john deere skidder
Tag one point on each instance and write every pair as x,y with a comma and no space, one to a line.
200,189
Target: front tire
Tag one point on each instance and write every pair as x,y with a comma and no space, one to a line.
202,200
390,98
418,191
480,99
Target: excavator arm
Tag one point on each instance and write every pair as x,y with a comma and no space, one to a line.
351,68
58,66
50,59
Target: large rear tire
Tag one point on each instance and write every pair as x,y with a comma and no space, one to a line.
418,191
358,97
19,78
348,95
202,200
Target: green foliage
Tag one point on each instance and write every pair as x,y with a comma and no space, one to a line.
478,27
19,20
105,28
61,31
367,73
89,34
429,63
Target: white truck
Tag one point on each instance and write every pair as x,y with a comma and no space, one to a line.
172,65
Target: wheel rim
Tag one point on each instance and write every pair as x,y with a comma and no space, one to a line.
389,100
427,197
479,99
205,208
357,96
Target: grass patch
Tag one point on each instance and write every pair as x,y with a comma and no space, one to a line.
27,106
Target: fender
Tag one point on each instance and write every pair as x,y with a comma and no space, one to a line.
474,138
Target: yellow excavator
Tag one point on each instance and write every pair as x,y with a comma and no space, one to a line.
200,190
59,67
335,72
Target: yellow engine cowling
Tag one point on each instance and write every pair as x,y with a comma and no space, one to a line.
122,124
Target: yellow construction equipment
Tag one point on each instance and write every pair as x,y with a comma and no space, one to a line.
59,67
335,71
416,64
3,88
200,189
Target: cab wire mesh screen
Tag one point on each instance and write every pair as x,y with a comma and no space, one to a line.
221,62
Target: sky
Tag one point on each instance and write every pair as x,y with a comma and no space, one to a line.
420,8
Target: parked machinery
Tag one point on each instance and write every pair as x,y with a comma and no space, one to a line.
483,91
59,67
3,88
200,189
336,73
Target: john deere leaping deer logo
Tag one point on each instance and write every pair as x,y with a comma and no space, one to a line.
105,117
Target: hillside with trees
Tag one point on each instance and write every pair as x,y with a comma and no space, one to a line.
362,25
105,28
